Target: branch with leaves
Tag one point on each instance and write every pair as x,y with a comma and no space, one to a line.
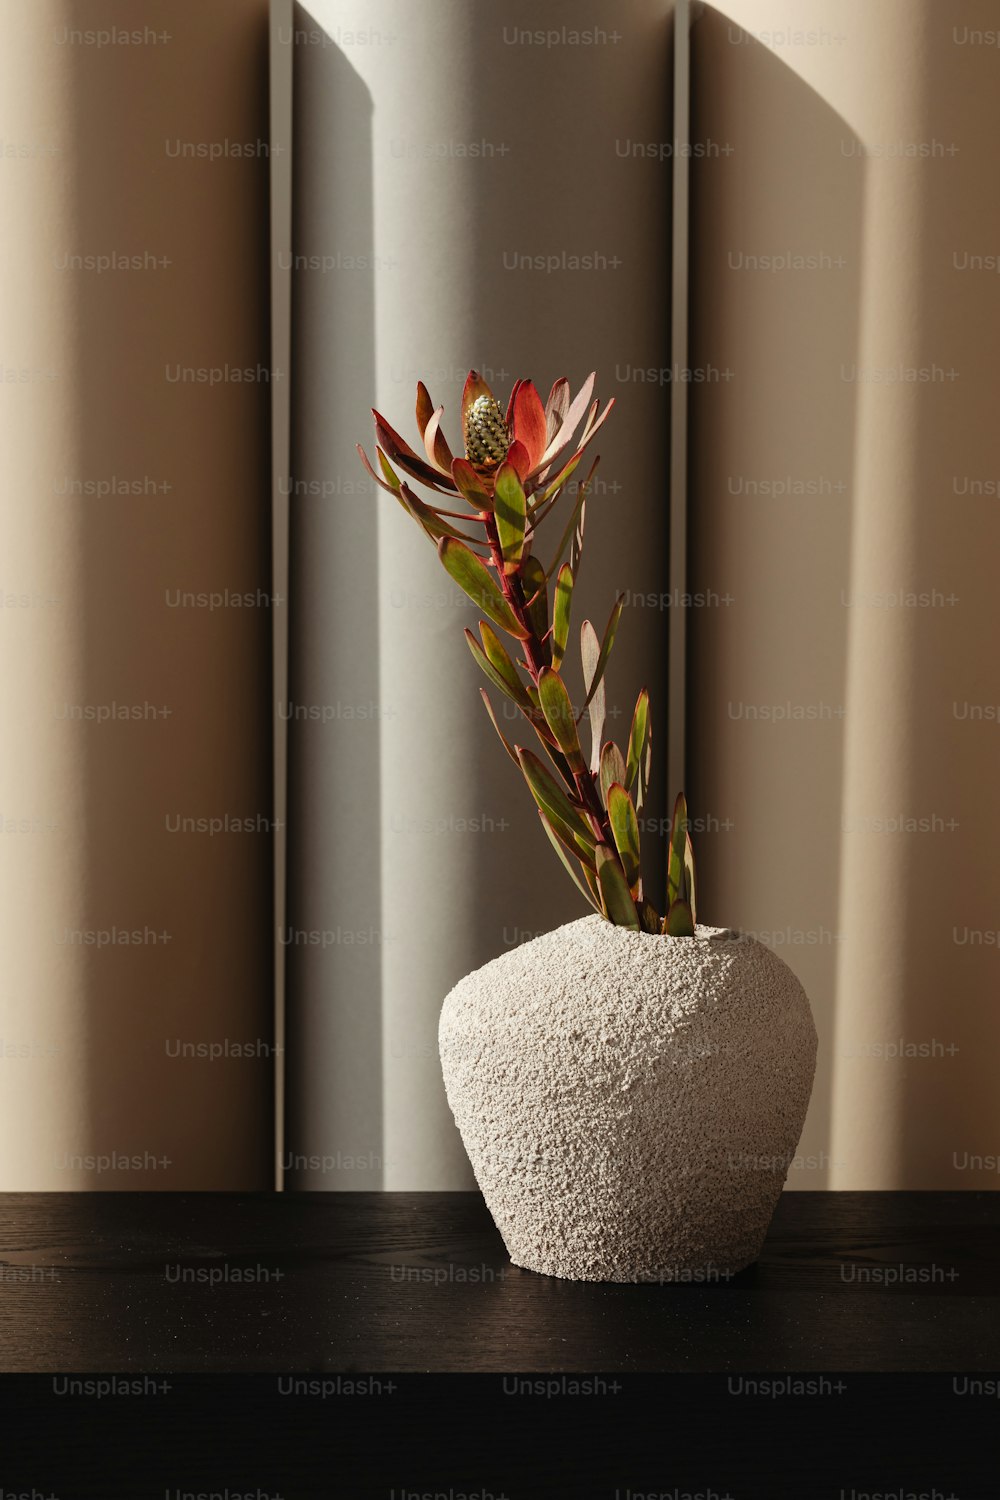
512,475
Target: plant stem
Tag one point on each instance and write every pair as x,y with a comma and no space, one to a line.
581,782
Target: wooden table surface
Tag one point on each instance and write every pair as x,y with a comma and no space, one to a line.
421,1282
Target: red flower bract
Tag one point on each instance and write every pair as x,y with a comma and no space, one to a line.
535,436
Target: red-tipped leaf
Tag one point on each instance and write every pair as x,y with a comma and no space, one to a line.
438,452
529,424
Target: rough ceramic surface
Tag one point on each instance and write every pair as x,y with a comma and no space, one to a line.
630,1104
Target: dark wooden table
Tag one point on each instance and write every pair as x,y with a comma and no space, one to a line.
405,1282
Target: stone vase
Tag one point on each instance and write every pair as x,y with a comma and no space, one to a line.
630,1103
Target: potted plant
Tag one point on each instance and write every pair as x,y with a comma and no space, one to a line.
630,1088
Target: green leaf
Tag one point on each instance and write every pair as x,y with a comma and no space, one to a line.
493,720
565,856
495,676
605,651
391,481
649,919
392,478
590,876
559,716
468,482
645,759
576,550
637,737
560,613
509,504
619,908
675,856
597,710
430,519
535,593
679,922
499,659
546,738
590,651
557,807
563,477
612,769
574,528
625,828
570,527
689,880
472,575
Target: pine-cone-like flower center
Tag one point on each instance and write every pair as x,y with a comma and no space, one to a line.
486,435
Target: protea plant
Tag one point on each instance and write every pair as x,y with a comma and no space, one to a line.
515,469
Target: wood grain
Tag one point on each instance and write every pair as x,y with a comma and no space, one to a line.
409,1282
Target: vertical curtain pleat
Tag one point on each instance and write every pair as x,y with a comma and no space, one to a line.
135,870
472,188
842,513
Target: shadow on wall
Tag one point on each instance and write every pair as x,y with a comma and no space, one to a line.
335,928
948,955
771,469
204,751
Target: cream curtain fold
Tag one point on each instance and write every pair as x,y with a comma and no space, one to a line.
135,870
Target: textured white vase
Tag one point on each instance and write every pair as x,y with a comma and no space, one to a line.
630,1104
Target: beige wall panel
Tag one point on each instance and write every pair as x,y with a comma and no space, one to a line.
843,496
125,486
